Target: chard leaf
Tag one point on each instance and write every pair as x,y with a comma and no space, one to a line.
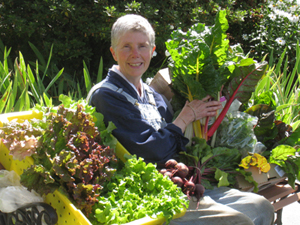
293,140
248,177
221,176
217,40
196,56
289,163
238,87
244,79
226,158
281,153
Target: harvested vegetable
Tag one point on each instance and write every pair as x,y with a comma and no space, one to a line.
202,63
136,191
69,154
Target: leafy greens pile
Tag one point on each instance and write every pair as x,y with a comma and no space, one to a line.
136,191
68,153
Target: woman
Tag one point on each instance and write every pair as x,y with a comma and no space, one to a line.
145,127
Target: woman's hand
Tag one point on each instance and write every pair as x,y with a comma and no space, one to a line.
196,110
203,108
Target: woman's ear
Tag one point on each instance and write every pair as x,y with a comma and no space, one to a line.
113,53
153,49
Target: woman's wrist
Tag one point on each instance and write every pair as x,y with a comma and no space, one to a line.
182,120
194,112
181,123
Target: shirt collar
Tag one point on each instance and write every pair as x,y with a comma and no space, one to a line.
115,69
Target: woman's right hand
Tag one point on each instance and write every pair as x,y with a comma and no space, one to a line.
196,110
203,108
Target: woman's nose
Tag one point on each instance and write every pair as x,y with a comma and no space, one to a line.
135,52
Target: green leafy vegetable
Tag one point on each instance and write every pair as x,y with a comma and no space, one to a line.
136,191
72,158
211,166
70,152
236,131
202,62
285,156
21,139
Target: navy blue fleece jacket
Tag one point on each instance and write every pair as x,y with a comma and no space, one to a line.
134,133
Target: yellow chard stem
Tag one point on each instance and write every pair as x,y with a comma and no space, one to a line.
197,128
196,124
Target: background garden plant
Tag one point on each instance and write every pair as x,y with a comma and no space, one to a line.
22,87
277,30
80,30
280,90
73,41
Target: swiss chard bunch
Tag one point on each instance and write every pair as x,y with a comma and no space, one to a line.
71,157
203,63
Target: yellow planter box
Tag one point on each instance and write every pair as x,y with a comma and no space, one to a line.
66,211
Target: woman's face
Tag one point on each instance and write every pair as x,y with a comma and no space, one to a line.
133,54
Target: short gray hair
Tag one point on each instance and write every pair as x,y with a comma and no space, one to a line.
131,22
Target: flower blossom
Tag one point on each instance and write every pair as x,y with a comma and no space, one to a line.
245,37
272,16
280,41
293,18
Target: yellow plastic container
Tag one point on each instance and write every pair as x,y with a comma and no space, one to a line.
67,213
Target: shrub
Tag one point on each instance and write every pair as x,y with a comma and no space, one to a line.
80,30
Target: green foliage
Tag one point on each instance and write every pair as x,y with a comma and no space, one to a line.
196,56
80,30
72,27
279,91
276,31
21,87
212,165
68,153
236,131
202,63
138,190
285,157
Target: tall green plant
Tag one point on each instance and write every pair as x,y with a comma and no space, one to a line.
13,86
49,71
87,77
280,90
21,87
66,85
